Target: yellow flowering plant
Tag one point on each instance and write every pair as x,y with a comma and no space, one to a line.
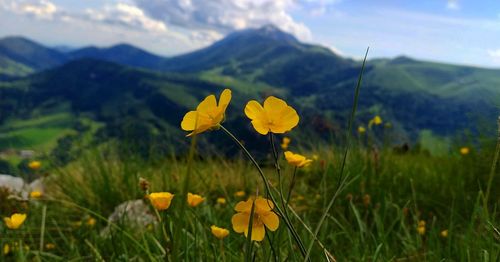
275,116
464,150
285,142
219,232
297,160
263,217
221,200
194,199
35,165
376,120
161,201
208,115
15,221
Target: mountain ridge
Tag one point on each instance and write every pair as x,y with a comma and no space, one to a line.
124,82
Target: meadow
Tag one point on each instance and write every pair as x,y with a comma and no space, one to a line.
356,200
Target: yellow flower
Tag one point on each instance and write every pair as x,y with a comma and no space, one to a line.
221,200
6,249
361,129
36,194
285,143
219,232
208,114
464,150
15,221
421,230
91,222
276,116
50,246
161,200
239,194
444,233
35,165
377,120
262,216
194,199
421,227
296,159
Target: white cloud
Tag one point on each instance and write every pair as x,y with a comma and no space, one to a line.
224,16
41,9
125,15
452,5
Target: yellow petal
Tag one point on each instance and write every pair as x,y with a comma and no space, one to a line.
15,221
271,220
189,121
260,126
273,106
263,205
240,222
207,105
244,206
254,110
224,99
284,120
258,231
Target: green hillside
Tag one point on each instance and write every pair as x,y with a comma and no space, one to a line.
9,67
140,93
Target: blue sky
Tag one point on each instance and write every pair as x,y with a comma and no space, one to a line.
451,31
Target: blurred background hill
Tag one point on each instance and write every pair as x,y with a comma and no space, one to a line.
53,98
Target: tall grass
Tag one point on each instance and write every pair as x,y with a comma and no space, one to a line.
375,218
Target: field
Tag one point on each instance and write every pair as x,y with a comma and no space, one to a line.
392,204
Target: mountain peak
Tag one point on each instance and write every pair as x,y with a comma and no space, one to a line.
275,33
267,32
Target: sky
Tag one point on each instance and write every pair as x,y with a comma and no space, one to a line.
452,31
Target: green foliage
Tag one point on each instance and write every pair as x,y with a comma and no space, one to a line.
375,217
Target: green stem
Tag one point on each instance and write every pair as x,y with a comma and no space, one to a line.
163,230
249,242
268,190
278,170
292,184
42,230
348,141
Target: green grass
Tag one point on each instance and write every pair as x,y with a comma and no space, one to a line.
374,219
39,133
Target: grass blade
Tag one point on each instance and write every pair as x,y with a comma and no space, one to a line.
348,136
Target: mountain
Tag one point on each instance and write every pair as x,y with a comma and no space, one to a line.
122,54
251,51
29,54
123,91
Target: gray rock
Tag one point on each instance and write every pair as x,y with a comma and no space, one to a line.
133,214
16,185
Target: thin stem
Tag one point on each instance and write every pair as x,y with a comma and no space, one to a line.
268,190
280,177
348,141
278,170
292,184
42,230
249,242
